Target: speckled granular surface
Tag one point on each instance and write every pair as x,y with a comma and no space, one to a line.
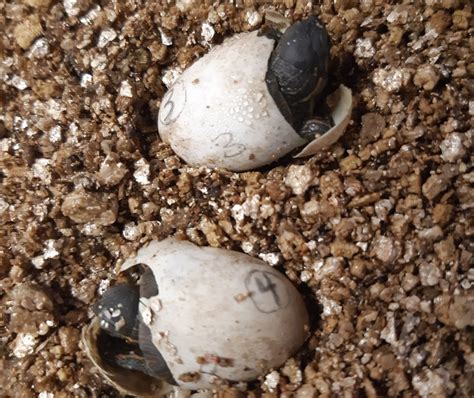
378,229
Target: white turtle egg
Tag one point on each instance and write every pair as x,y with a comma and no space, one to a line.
219,316
219,112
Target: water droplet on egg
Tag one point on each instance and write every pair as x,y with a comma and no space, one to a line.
259,96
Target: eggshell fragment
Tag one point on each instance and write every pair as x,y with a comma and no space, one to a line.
341,115
128,382
221,314
219,112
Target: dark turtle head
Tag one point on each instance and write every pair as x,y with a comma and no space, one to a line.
297,74
118,311
300,60
126,341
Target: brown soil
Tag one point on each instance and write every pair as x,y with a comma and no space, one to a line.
379,233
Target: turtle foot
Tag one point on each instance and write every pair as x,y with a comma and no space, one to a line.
315,127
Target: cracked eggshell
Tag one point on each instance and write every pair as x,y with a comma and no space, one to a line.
127,381
219,112
219,314
341,115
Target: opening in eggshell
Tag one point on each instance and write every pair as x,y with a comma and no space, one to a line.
341,115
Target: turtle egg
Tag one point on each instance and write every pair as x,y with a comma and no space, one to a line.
220,113
207,316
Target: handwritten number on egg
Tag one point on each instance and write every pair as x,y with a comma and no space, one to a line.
173,104
168,106
267,291
226,141
267,285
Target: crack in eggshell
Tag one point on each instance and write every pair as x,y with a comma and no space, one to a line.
341,115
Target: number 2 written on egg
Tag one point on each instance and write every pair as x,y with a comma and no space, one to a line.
173,104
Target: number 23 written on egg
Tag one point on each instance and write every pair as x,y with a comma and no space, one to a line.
226,141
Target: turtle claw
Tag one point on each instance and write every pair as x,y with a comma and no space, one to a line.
316,127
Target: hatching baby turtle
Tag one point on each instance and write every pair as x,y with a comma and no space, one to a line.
195,317
255,98
297,74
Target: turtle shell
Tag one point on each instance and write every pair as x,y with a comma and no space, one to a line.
96,344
